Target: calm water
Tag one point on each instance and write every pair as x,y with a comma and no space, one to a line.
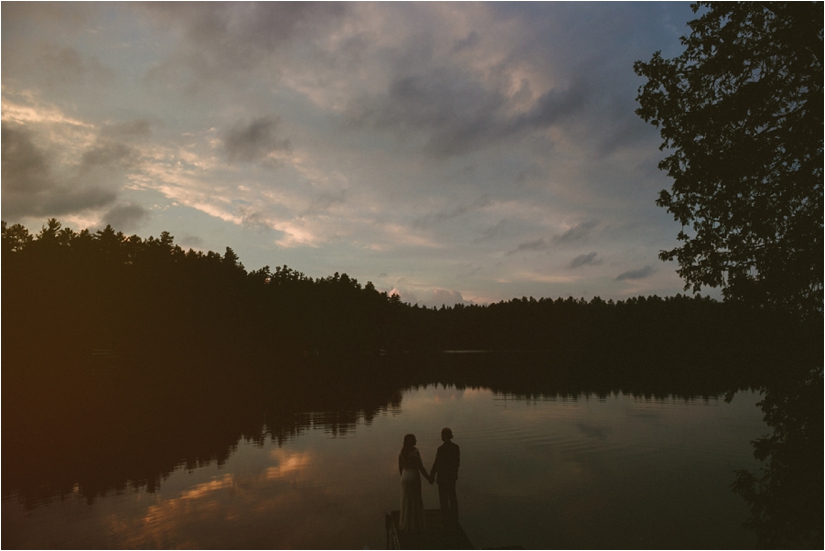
581,472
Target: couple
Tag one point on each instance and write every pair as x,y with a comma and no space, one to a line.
444,471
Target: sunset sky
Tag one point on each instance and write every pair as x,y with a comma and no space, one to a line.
453,152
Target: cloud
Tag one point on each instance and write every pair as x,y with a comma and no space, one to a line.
640,273
254,140
35,33
218,41
190,241
438,217
554,105
108,155
493,232
55,18
326,201
25,167
136,128
443,296
126,217
452,109
469,42
66,66
457,112
584,260
433,298
453,92
397,117
537,245
29,187
577,232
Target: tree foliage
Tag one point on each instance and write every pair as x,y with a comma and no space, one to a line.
67,293
740,115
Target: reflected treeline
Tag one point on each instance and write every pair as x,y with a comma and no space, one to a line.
786,495
70,428
92,432
68,293
537,374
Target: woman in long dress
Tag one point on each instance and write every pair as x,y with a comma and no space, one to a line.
412,504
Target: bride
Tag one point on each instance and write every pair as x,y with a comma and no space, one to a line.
412,504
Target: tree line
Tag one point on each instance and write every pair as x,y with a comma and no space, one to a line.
68,293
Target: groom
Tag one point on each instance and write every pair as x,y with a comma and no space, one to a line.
445,472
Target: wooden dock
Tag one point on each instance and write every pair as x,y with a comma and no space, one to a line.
434,536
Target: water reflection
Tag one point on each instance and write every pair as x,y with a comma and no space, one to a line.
785,494
308,461
287,463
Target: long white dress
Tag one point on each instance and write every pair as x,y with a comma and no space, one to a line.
412,504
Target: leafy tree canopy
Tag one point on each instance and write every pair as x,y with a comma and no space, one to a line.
740,115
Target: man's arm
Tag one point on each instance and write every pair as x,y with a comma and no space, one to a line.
436,464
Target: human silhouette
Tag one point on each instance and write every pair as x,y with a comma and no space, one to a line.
445,472
411,468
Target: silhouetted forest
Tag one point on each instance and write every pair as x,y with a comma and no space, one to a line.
67,294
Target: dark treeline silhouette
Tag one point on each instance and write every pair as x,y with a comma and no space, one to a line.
68,293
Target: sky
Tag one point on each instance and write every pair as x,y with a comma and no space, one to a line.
450,152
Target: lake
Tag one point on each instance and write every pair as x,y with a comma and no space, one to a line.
575,469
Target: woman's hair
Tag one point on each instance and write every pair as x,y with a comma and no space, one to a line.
409,445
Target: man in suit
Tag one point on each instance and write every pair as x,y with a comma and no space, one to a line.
445,472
